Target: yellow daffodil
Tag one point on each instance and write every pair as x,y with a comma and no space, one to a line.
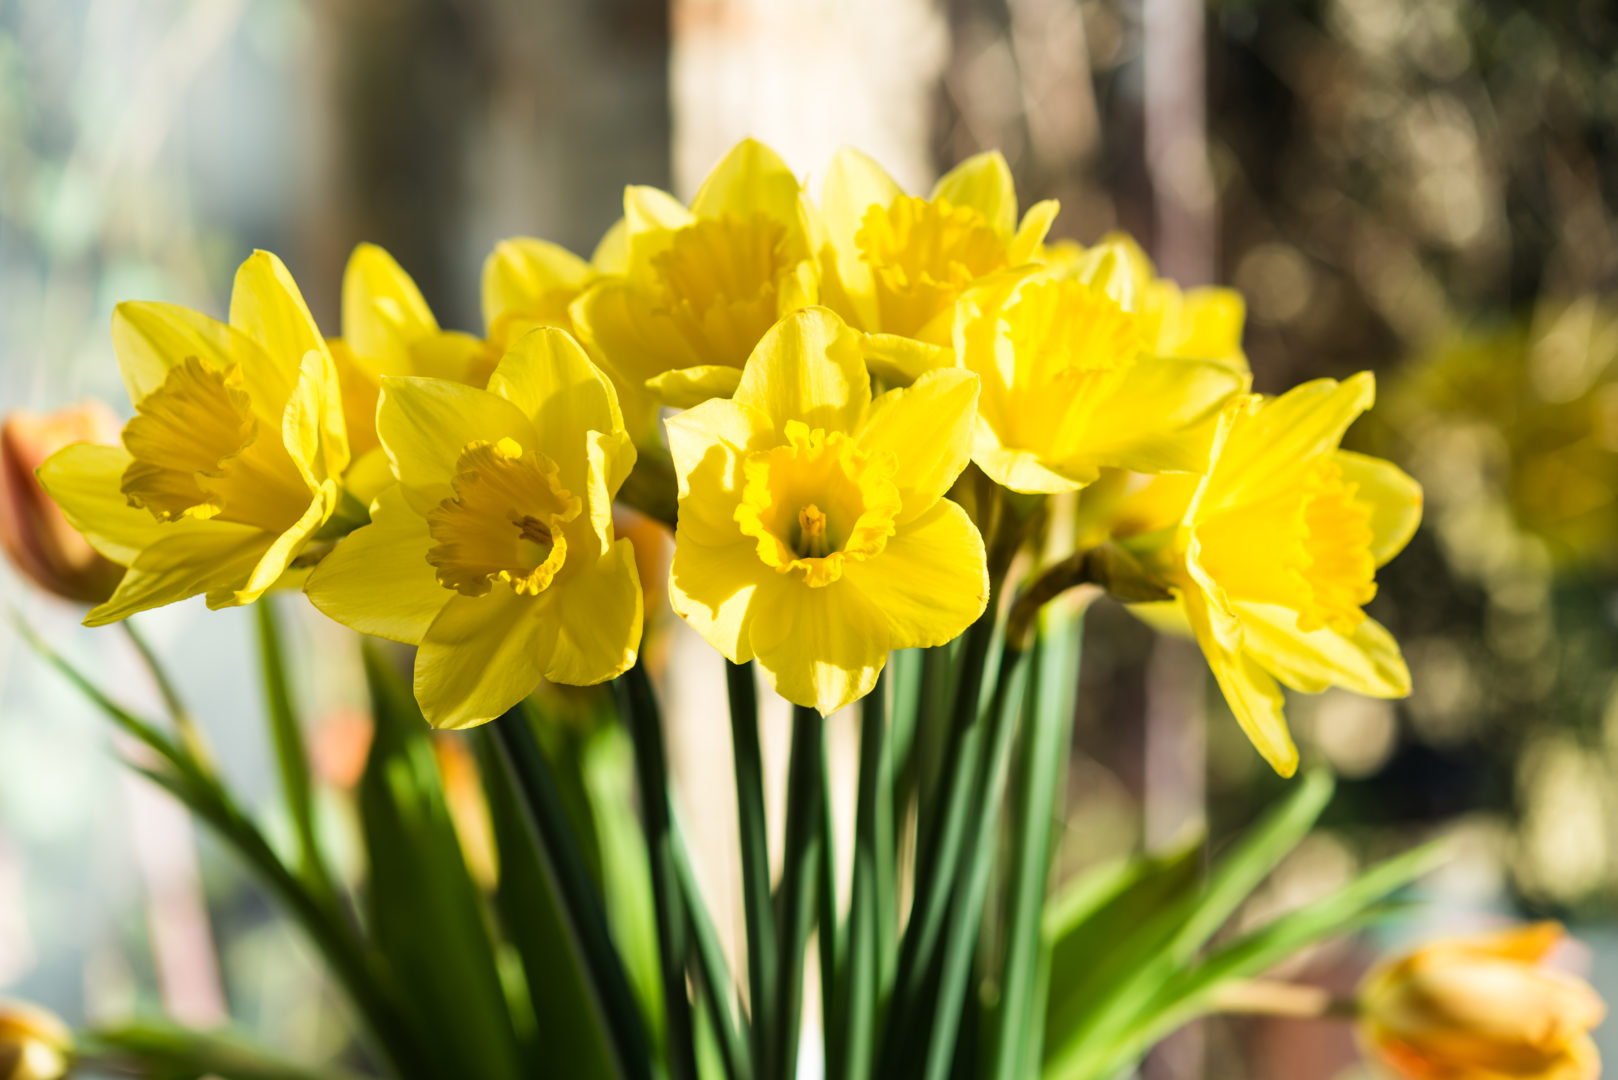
495,552
230,465
813,532
897,263
1283,538
1203,323
1070,388
700,286
1481,1008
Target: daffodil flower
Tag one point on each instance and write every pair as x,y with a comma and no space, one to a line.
1070,388
813,533
230,465
897,263
1283,539
495,553
700,286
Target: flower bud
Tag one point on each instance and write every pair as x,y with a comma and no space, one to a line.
1479,1008
34,1044
35,535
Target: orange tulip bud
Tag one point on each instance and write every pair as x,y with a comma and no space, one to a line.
34,1044
1481,1008
35,535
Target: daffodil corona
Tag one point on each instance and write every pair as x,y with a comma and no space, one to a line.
1283,539
230,465
495,553
700,286
896,263
813,533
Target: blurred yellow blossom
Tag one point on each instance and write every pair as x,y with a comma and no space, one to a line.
813,532
230,465
495,552
1481,1008
34,1044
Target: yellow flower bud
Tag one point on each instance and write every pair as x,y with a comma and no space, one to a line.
1481,1008
34,1044
36,537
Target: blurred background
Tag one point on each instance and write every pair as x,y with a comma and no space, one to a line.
1425,190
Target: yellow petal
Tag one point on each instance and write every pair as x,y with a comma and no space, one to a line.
931,581
751,179
632,337
1024,470
150,338
425,423
1153,415
611,255
548,377
275,559
819,648
650,218
696,432
807,367
185,563
610,455
369,475
1031,233
854,183
1366,661
983,182
1393,495
599,620
927,427
1214,332
902,360
377,580
1251,693
359,388
481,656
522,270
685,388
86,482
712,589
265,304
383,311
312,428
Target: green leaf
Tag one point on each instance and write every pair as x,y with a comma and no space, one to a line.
426,913
155,1048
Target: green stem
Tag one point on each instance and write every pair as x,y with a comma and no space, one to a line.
870,902
184,725
714,973
290,753
800,878
830,927
160,1049
1042,756
640,708
753,834
553,837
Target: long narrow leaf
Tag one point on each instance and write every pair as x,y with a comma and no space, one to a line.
163,1049
753,834
290,753
714,973
800,880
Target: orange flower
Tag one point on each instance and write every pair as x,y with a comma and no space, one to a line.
35,535
1481,1008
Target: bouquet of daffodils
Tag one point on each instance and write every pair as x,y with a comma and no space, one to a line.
901,442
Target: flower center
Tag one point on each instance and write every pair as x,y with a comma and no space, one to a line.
196,451
817,502
922,254
1308,548
504,522
719,280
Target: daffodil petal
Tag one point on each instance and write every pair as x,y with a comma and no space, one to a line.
548,377
854,183
368,476
278,556
685,388
931,581
1031,232
1392,494
1023,470
619,324
1249,690
901,360
265,304
520,270
312,428
650,219
1366,661
149,338
599,641
481,656
751,179
1164,616
808,367
85,480
983,182
692,434
383,311
425,423
1215,317
937,412
713,590
611,255
820,648
1155,415
183,564
377,580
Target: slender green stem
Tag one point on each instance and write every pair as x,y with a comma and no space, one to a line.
870,899
639,705
160,1049
559,850
830,936
713,972
753,833
800,878
290,753
977,862
184,725
1041,766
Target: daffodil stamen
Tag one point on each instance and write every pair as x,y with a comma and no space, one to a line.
811,532
504,522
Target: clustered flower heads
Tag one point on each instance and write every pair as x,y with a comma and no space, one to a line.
840,366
